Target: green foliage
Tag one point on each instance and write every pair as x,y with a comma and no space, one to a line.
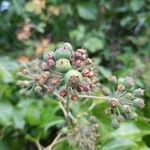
115,33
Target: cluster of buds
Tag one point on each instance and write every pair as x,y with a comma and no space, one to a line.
58,70
85,133
123,99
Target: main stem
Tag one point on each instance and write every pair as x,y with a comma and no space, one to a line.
67,105
93,97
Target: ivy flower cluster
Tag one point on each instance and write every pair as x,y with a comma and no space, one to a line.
85,134
123,99
64,71
71,75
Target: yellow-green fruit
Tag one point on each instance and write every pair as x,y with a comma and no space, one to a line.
72,73
62,53
63,65
68,46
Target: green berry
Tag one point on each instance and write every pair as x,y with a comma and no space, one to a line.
113,102
138,103
73,73
38,89
62,53
113,79
131,116
115,123
23,91
120,87
106,91
138,92
68,46
128,82
64,130
63,65
126,109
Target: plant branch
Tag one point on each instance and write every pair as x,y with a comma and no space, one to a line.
49,147
93,97
59,97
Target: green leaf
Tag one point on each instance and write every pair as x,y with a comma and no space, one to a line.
6,113
94,44
87,10
105,72
119,144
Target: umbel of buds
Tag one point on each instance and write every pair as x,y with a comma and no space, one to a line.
61,68
123,99
85,133
70,75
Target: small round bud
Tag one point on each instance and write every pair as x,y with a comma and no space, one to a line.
72,74
126,109
113,102
68,46
74,97
51,63
131,116
139,103
113,79
79,63
26,83
64,130
54,82
120,118
87,73
19,83
128,82
63,93
106,91
50,89
129,96
22,91
63,65
88,61
93,119
115,123
138,92
38,89
62,53
48,55
45,66
28,93
120,80
120,87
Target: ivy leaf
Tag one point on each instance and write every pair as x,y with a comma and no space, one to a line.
87,10
119,144
6,112
94,44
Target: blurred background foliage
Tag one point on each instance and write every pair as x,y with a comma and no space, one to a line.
116,35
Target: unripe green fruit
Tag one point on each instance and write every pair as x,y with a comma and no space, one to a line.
131,116
128,82
115,123
62,53
22,91
72,73
138,92
63,65
68,46
38,89
139,103
64,130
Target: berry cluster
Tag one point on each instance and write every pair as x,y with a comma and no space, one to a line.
123,99
85,133
64,71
